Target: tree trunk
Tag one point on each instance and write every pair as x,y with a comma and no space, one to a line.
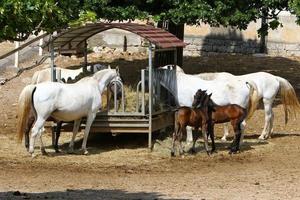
165,58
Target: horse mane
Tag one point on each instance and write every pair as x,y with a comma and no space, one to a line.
100,74
168,79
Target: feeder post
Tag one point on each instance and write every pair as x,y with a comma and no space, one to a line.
17,44
143,92
41,44
53,69
150,83
85,58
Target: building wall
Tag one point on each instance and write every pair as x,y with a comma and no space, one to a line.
284,41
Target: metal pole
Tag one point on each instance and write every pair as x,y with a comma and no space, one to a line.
40,45
138,96
115,95
86,59
175,58
53,70
150,96
58,75
17,55
143,92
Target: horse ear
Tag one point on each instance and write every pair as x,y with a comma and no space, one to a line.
210,94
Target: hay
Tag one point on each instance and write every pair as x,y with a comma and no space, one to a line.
130,100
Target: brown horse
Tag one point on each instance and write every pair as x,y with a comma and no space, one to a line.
220,114
197,118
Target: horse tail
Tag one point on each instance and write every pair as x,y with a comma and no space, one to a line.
288,97
34,79
24,109
253,99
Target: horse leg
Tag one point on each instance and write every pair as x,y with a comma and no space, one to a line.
268,119
204,135
38,125
175,136
242,128
243,125
182,131
189,134
226,132
57,135
43,150
195,138
212,136
30,122
75,131
235,145
90,119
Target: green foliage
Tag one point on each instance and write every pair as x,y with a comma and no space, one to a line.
294,6
84,17
20,18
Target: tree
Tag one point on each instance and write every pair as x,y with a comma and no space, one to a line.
294,6
20,18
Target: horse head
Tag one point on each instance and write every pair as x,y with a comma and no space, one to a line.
116,84
199,98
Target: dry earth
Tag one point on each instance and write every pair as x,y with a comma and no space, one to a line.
121,167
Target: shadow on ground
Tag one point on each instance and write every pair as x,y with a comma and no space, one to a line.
83,194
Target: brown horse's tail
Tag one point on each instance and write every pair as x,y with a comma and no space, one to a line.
24,109
288,97
253,99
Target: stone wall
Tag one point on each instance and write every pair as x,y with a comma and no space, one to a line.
284,41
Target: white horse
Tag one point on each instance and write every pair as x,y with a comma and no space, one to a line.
63,102
184,86
66,74
268,86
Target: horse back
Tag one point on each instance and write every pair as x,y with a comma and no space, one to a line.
227,113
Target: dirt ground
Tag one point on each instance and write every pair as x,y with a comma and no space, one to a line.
121,167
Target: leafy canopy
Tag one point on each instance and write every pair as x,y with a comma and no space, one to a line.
20,18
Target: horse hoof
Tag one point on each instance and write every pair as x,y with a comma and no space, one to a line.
70,151
193,151
213,151
85,152
57,151
33,155
262,138
172,154
234,152
44,152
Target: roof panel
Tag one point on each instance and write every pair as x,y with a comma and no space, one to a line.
159,37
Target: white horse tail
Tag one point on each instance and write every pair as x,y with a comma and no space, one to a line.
288,97
24,108
35,77
253,99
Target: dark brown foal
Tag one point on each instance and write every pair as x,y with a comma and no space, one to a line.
220,114
197,118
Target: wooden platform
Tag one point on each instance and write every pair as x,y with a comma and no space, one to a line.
126,123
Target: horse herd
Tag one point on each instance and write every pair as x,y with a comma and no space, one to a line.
205,99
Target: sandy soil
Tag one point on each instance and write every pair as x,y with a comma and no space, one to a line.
121,167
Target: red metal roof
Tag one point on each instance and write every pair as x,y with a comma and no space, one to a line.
73,37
